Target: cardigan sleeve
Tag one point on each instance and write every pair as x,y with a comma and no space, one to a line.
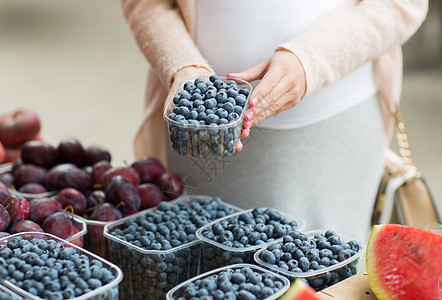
162,37
352,35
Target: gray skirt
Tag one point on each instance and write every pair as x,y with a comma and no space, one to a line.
326,174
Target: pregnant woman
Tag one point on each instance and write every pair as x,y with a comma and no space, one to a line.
325,75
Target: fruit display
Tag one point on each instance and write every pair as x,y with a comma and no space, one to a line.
300,290
205,117
235,239
84,179
404,262
16,128
322,257
239,281
157,248
50,268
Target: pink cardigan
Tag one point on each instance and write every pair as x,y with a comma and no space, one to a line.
341,41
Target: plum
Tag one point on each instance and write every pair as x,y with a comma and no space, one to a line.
150,195
128,172
7,179
70,150
19,126
28,173
32,188
95,198
74,198
98,169
25,226
40,209
106,212
4,192
122,190
95,153
52,177
18,208
149,169
39,153
171,184
75,178
5,218
59,224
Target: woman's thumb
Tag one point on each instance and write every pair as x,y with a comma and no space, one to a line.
251,74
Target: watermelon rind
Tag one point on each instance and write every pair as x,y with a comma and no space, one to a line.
300,290
404,262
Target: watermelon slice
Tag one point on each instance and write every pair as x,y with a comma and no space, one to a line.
404,263
300,290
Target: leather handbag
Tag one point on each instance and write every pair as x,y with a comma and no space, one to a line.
403,197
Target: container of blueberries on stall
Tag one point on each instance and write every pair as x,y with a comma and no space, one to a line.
157,248
320,257
40,266
235,239
238,281
205,116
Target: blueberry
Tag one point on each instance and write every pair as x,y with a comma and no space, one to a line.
221,97
232,92
303,264
240,100
219,84
244,91
202,116
196,97
213,78
228,107
222,113
184,95
343,255
210,93
193,115
238,278
210,103
245,295
212,119
266,292
179,118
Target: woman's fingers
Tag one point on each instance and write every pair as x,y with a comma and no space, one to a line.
251,74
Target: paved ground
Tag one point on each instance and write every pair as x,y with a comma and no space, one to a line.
76,64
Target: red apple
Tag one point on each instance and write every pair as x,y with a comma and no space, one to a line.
2,153
19,126
11,154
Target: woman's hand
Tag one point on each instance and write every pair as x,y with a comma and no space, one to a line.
281,87
183,74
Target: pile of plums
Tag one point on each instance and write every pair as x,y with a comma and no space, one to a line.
17,127
17,214
85,180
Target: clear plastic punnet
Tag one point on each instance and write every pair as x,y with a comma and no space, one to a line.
108,291
216,254
149,274
279,283
320,278
209,139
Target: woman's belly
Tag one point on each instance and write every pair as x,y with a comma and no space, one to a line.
234,35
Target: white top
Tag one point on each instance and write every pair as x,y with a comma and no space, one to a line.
234,35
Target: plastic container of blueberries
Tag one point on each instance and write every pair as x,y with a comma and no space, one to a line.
78,238
7,168
177,291
340,269
216,255
9,293
105,292
201,140
95,240
143,278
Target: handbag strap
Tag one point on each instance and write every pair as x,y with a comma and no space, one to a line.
402,141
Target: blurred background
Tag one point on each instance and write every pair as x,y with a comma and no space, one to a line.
76,64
